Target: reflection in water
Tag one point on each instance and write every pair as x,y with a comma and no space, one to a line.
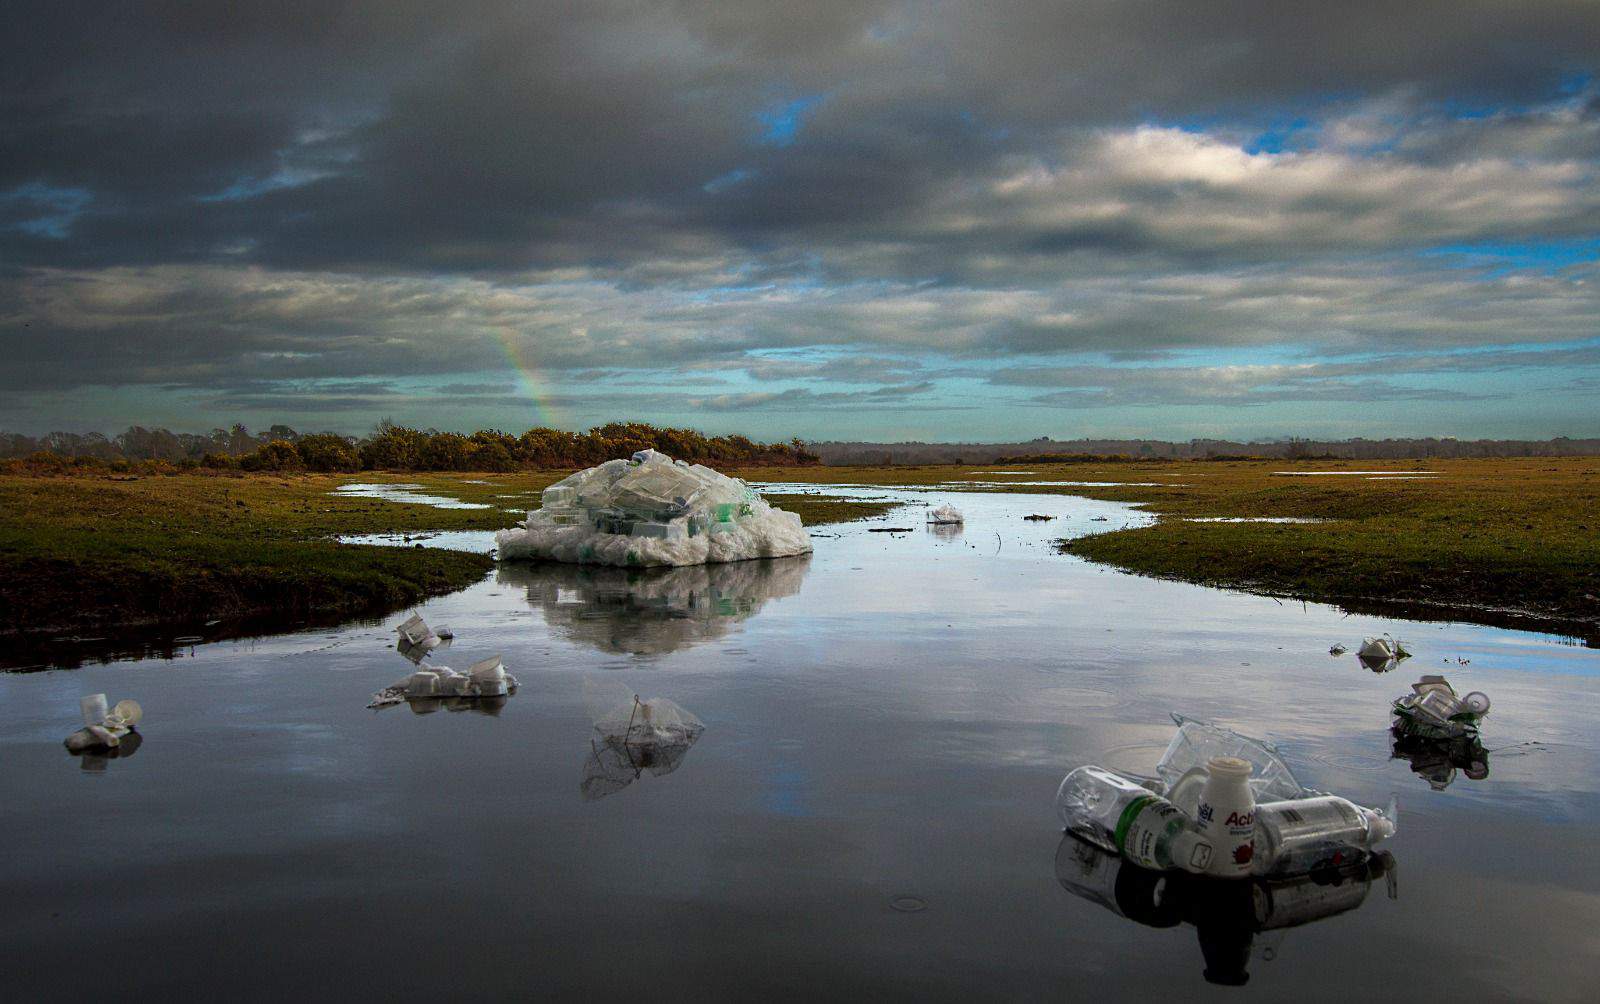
647,611
1380,663
95,760
946,531
1437,760
614,763
1227,914
476,705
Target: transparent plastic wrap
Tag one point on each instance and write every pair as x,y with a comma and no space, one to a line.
945,515
1197,742
636,735
653,510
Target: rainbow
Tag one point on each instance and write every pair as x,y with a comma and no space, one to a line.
530,385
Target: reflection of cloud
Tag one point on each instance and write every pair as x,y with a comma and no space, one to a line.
653,610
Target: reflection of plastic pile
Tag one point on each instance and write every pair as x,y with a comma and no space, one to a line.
945,515
636,735
653,610
1227,915
653,510
1437,760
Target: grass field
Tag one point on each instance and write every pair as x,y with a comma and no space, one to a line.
83,554
1513,542
1496,541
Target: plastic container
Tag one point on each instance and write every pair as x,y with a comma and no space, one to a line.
1226,816
1197,742
1298,835
94,708
1127,818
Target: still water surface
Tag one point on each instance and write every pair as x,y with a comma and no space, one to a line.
869,810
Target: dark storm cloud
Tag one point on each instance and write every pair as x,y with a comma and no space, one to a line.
193,195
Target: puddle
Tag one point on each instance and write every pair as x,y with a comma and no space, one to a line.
885,722
414,494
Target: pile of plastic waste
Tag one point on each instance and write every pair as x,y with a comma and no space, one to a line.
485,680
635,735
1221,804
653,510
104,729
1434,711
945,515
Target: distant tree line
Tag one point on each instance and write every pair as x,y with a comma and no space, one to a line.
1044,450
391,447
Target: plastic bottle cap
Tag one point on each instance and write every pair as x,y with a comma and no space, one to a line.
1478,701
1230,766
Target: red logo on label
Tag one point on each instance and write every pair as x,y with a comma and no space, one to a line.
1248,819
1243,853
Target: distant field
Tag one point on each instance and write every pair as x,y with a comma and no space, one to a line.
85,554
1514,541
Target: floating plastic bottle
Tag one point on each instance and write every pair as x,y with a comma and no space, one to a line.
1307,833
1127,818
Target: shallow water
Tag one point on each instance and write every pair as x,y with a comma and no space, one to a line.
414,494
869,810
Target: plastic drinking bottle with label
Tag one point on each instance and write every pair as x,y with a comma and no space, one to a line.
1306,832
1127,818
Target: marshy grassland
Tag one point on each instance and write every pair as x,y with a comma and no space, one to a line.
1506,541
84,553
1514,542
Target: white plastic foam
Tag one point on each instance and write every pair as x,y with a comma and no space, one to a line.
653,510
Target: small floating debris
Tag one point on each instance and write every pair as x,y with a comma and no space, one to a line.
1382,654
485,679
1099,519
890,529
945,515
102,729
1337,649
188,639
1038,518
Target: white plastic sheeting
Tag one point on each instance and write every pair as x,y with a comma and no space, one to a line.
945,514
653,510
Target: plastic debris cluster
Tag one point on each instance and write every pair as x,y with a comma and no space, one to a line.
1381,654
636,735
1196,816
1433,710
945,515
486,679
653,510
104,729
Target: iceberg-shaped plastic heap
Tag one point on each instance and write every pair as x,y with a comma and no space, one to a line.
653,510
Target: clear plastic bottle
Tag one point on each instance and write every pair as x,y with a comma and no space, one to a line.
1127,818
1303,833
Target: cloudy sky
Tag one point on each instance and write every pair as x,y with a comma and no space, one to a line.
855,220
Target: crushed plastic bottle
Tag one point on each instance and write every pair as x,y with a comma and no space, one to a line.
486,678
1127,818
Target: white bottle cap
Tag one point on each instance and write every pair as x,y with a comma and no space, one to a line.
1230,766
